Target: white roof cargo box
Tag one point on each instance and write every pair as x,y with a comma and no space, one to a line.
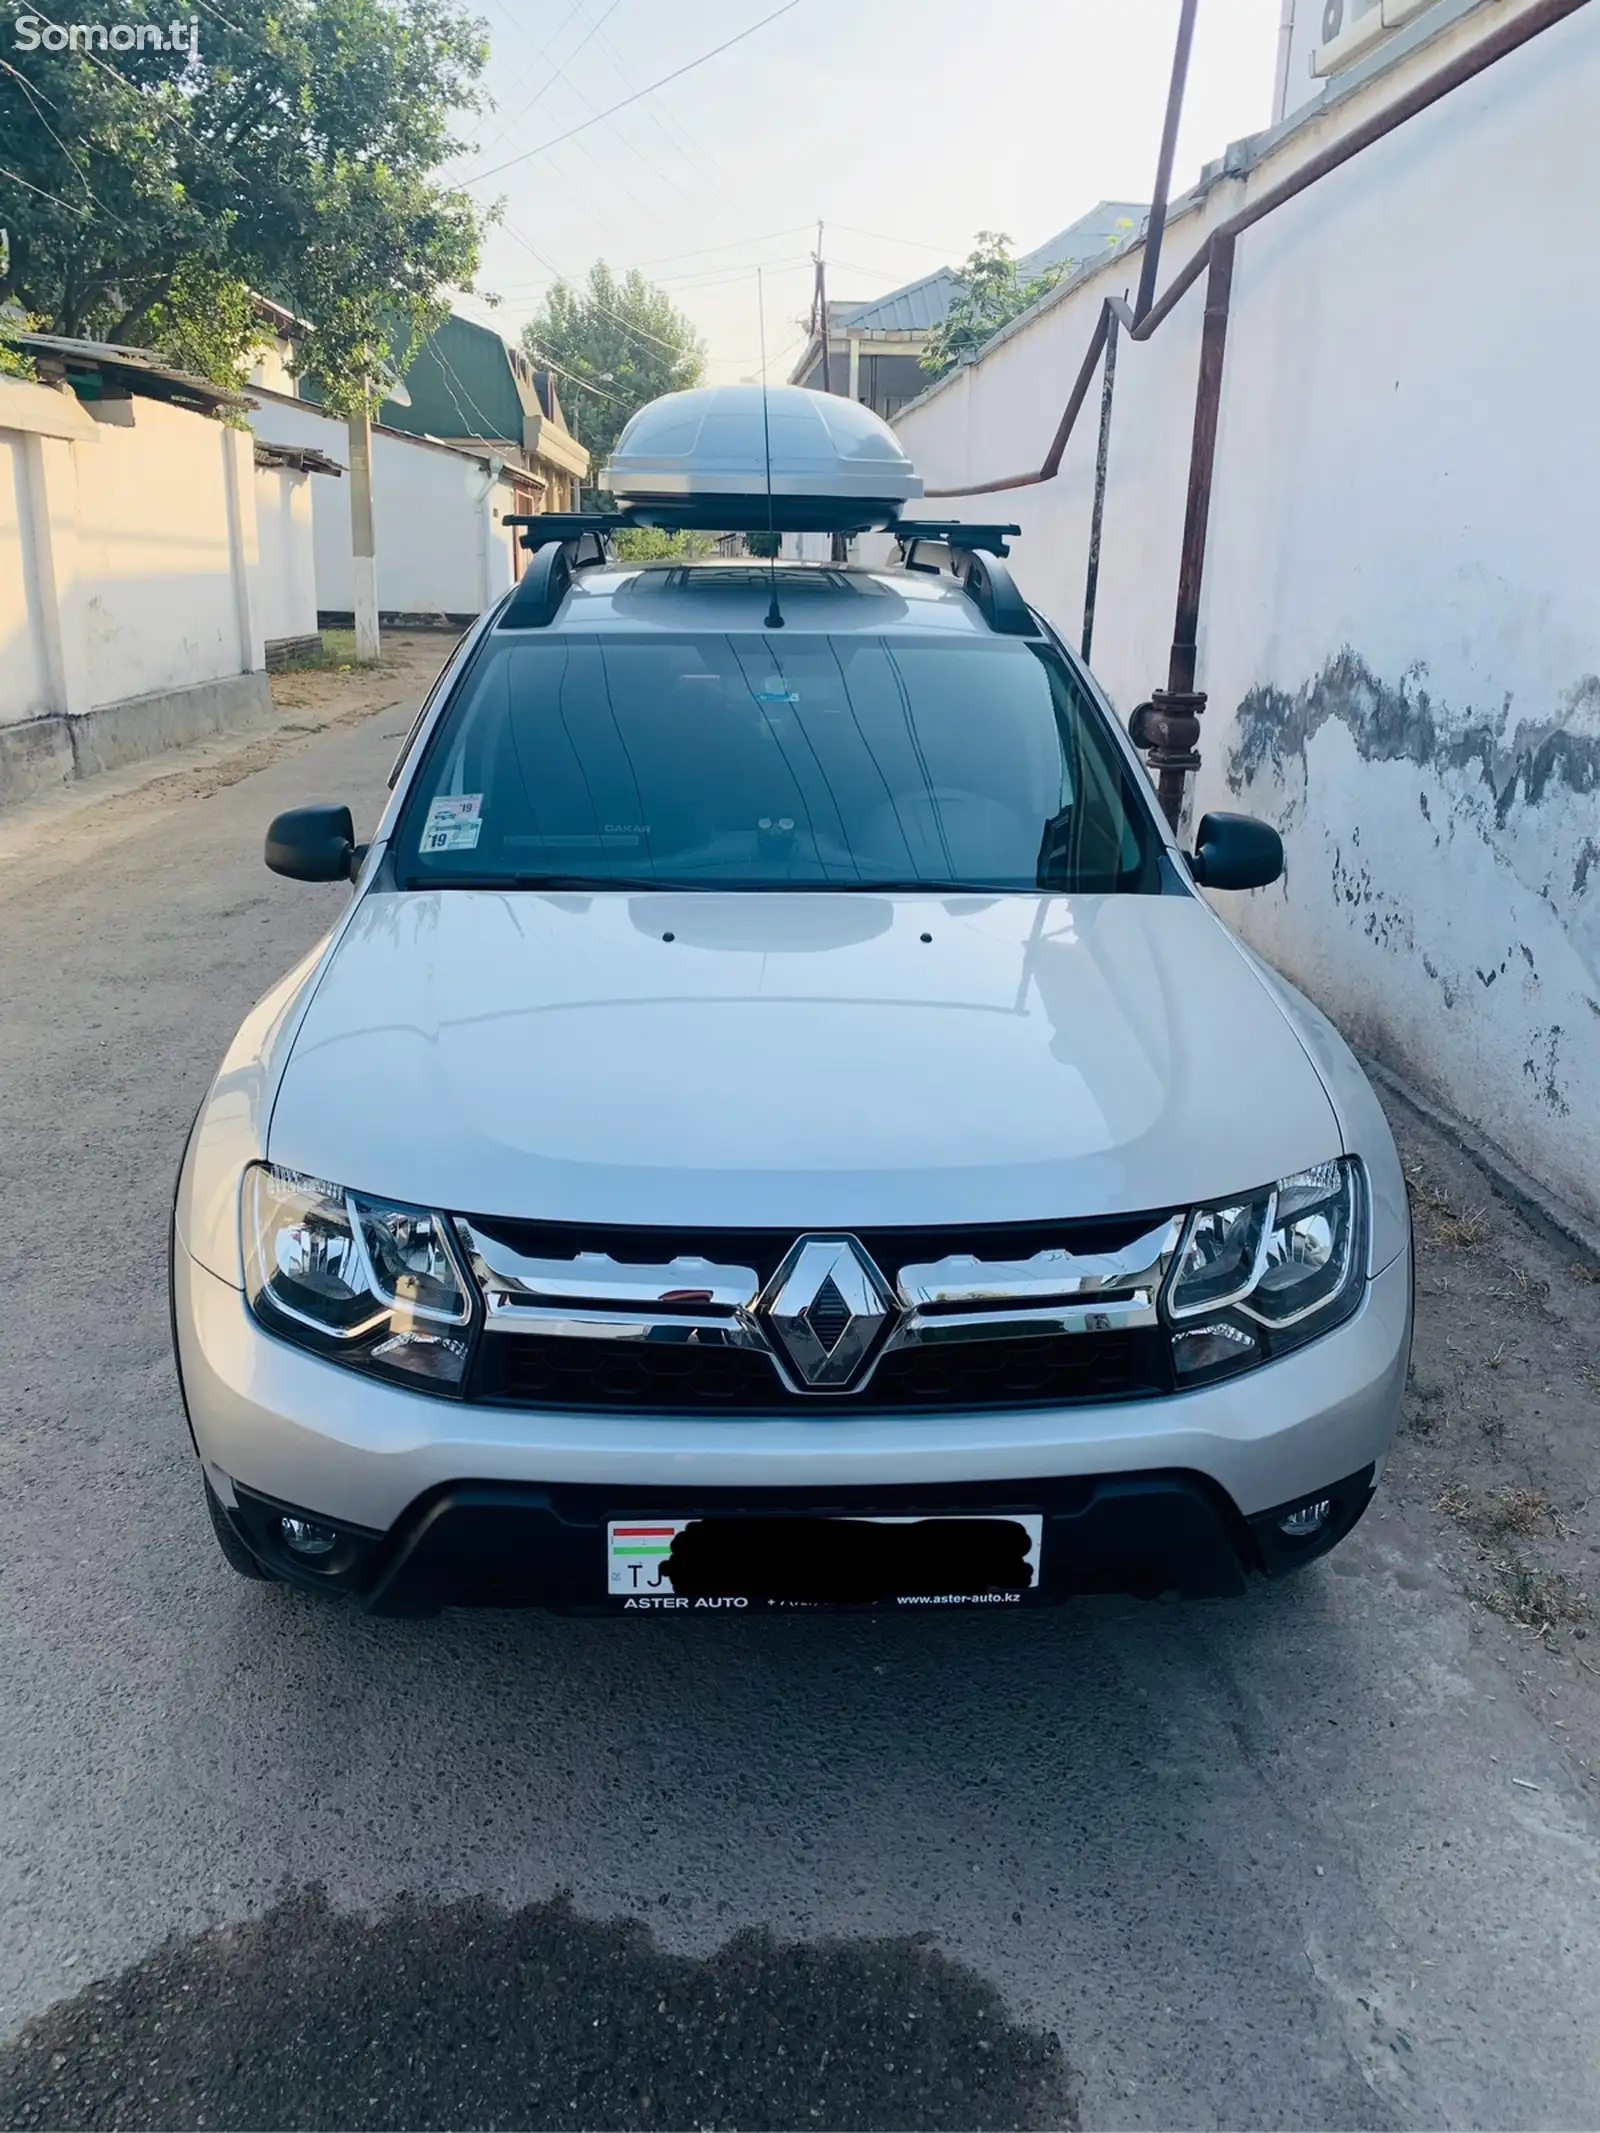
831,459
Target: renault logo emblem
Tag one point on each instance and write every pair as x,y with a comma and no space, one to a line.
825,1310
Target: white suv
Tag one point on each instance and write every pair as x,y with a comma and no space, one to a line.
779,1125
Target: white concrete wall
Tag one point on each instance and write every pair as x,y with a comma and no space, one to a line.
271,368
286,583
442,548
155,551
126,560
1400,634
24,665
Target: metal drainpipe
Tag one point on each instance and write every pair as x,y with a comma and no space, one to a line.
1280,86
1156,223
1168,726
1091,583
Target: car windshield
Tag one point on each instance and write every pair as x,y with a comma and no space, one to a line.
774,762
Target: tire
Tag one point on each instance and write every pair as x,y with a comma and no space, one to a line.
234,1552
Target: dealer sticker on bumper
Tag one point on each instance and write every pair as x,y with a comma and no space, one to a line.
978,1558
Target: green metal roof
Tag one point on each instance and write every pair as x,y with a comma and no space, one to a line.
463,383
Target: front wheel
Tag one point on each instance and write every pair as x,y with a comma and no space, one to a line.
234,1552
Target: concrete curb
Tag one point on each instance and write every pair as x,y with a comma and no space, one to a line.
42,754
1534,1202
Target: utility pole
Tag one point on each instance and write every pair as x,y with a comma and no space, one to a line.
363,548
838,546
819,307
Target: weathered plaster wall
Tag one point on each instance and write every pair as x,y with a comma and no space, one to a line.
1401,635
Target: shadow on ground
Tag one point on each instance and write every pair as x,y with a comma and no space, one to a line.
465,2015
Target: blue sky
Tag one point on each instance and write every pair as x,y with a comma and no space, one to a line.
906,125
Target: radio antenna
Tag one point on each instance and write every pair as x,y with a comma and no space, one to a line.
774,619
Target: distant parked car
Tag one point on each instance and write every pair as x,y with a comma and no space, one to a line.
778,1122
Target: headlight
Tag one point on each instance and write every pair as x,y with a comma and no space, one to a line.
1261,1274
359,1280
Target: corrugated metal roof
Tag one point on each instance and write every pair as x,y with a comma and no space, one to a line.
65,355
301,458
921,305
916,308
1105,226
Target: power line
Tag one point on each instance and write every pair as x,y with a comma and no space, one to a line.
855,267
677,73
560,73
711,182
718,277
572,376
544,50
639,332
607,169
148,104
211,9
451,381
706,166
36,98
658,172
17,178
732,245
882,237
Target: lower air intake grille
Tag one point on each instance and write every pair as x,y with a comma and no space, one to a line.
531,1370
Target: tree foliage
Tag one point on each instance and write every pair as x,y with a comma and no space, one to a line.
992,294
649,544
624,335
293,154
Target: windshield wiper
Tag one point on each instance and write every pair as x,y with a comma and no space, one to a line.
585,882
634,883
923,888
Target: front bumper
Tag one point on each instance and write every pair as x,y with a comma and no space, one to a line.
494,1544
384,1464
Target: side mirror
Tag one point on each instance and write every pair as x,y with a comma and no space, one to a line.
1236,852
313,844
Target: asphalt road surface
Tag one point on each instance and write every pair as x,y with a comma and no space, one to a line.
1300,1861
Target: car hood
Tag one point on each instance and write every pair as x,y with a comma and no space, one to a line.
797,1060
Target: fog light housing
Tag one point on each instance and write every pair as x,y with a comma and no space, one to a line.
304,1538
1201,1352
1309,1518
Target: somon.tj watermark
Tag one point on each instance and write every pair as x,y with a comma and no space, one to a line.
35,33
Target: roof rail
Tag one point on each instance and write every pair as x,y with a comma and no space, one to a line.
540,590
993,589
982,577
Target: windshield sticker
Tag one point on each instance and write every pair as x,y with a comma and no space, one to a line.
454,824
775,693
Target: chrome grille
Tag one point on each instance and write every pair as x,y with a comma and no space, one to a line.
989,1317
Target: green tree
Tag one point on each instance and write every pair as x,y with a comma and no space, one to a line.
624,335
145,193
648,544
992,294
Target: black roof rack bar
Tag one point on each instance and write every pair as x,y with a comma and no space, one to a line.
729,513
991,540
546,527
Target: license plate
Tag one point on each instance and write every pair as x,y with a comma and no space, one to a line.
971,1558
